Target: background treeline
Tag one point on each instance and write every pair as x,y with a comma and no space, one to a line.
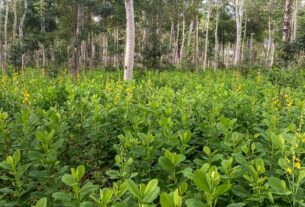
190,34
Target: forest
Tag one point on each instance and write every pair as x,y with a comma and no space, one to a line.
152,103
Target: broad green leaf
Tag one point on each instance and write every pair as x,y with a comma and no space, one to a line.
278,186
200,181
42,202
17,156
61,196
151,186
133,189
167,166
80,172
68,180
177,199
222,189
166,200
237,205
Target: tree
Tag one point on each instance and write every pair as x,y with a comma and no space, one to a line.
7,2
77,41
130,40
239,6
286,27
21,25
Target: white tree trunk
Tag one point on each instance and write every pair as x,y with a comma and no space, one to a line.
183,42
7,2
42,30
216,55
206,44
21,25
286,27
15,22
77,43
239,4
130,40
295,21
196,54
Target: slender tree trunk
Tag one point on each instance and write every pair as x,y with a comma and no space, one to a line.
116,45
172,41
21,25
42,30
243,40
177,44
105,50
78,41
1,45
144,40
183,42
239,4
189,38
7,2
286,28
295,21
15,22
196,54
216,55
130,40
251,50
206,44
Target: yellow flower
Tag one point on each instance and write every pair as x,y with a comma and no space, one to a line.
26,96
303,139
297,165
289,170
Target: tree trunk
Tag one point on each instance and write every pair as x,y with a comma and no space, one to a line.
183,42
196,54
116,45
239,4
15,22
216,55
1,45
144,40
189,38
295,21
21,25
251,49
105,50
177,44
206,44
42,30
286,28
78,41
130,40
5,36
243,40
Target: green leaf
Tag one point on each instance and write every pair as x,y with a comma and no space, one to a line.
133,189
278,186
201,181
167,166
61,196
80,172
42,202
68,180
106,195
87,189
166,200
236,205
17,156
222,189
151,195
177,199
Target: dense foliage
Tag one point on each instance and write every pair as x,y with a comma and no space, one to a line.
193,140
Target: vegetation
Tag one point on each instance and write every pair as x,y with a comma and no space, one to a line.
160,34
166,139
